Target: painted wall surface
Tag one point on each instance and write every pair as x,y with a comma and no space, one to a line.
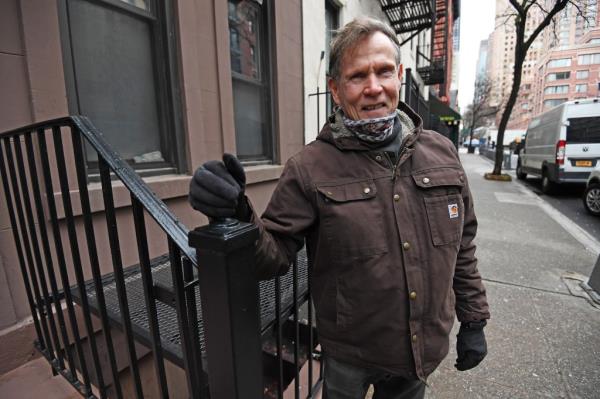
32,79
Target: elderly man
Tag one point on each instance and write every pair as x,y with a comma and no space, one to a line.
387,216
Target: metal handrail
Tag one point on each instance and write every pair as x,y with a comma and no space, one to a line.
134,183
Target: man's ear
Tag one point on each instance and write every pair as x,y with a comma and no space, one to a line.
400,72
333,88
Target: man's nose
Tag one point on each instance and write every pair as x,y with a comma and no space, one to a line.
372,85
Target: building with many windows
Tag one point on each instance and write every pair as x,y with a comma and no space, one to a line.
568,29
568,73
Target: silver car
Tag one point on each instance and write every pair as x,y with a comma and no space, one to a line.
591,196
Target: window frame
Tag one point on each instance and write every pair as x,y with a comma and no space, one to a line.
165,58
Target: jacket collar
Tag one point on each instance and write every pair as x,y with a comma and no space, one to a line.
335,132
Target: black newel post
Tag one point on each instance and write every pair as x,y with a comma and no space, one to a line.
230,308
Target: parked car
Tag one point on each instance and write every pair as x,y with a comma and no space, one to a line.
562,145
591,195
474,143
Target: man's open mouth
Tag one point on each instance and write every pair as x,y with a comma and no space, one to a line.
373,107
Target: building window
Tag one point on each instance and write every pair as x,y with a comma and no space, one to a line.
554,102
556,89
581,88
118,68
583,74
250,73
594,40
558,76
587,59
561,62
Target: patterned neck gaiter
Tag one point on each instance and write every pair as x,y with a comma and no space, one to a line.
374,130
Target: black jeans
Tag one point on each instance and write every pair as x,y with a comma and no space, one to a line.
346,381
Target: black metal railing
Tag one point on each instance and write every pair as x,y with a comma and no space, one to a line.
108,316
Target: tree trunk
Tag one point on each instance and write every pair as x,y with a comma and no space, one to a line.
512,99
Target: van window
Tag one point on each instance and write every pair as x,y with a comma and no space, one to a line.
584,130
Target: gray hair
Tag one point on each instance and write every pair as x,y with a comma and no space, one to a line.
354,31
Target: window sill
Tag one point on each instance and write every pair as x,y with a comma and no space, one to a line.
165,187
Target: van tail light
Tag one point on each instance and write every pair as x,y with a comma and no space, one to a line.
560,152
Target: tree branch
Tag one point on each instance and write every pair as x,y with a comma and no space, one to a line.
558,6
518,7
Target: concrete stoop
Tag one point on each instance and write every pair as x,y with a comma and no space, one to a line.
34,380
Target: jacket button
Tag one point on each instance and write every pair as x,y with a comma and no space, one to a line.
396,197
378,158
406,245
426,180
414,338
367,190
413,295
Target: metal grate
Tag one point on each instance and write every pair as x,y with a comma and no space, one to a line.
408,15
167,315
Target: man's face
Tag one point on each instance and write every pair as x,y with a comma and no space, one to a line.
369,82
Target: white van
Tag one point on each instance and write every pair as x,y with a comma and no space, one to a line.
563,144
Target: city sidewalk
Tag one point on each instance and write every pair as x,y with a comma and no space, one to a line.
544,334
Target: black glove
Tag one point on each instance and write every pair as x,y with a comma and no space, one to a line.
217,189
470,345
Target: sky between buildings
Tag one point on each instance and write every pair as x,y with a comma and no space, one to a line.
476,23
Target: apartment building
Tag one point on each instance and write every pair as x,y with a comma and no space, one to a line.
568,73
568,29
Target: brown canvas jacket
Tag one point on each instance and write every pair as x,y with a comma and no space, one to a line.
390,247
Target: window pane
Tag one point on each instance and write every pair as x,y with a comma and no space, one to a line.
112,57
587,59
244,38
554,102
584,130
250,125
556,89
582,74
562,62
143,4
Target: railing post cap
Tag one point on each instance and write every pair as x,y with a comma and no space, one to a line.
223,235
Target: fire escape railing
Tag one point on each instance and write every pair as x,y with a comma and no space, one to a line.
104,325
408,15
432,57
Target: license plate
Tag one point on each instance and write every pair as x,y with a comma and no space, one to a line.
583,163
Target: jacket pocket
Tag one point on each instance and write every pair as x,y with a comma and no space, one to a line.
443,203
352,219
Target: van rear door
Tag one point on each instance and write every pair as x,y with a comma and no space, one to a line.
582,150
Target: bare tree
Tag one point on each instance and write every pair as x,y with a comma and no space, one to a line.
478,112
522,11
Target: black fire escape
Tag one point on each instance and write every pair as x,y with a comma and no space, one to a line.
432,56
409,15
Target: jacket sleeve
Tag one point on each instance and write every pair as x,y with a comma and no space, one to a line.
471,301
283,227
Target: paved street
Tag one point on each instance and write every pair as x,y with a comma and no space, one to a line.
544,335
